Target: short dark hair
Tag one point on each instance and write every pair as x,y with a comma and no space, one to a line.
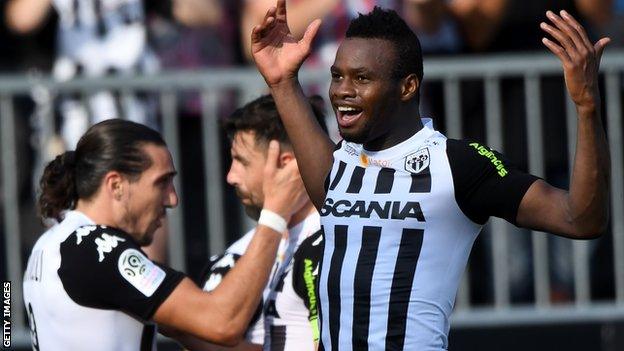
111,145
261,117
388,25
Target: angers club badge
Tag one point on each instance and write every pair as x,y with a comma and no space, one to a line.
418,161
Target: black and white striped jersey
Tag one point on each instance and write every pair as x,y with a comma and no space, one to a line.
399,226
286,322
89,287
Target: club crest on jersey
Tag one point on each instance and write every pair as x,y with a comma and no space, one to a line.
139,271
417,161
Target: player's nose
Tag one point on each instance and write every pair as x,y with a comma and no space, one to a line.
342,89
171,200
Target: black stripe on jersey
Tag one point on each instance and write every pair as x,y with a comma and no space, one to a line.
278,337
362,286
147,337
409,251
385,179
355,185
421,182
339,173
333,282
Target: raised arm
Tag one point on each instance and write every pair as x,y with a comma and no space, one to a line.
222,316
278,56
583,211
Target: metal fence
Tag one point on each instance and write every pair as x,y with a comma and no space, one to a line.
213,85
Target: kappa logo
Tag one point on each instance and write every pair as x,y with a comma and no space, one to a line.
84,231
139,271
106,243
417,161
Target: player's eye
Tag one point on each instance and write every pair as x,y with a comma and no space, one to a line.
335,76
362,78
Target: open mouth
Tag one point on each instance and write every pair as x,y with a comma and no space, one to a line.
348,115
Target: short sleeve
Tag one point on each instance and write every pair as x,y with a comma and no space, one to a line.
485,183
305,276
102,267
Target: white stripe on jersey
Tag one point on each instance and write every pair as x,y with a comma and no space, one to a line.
396,244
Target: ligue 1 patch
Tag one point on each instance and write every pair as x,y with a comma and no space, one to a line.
139,271
418,161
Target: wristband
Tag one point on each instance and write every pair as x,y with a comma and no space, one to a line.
273,220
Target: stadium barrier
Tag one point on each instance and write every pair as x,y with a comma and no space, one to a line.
214,85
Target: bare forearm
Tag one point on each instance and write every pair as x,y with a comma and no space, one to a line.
588,198
240,291
313,147
24,16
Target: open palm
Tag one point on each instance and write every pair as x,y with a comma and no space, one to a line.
277,53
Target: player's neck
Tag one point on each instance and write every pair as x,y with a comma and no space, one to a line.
404,126
102,213
301,215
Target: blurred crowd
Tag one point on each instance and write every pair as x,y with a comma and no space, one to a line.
96,38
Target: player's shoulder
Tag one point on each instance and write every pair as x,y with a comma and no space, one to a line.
240,246
96,243
219,265
311,247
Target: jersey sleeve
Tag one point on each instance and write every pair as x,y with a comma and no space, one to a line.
102,267
485,183
305,276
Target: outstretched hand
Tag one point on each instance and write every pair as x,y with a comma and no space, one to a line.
580,58
277,53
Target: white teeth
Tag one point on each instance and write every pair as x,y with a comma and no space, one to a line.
346,109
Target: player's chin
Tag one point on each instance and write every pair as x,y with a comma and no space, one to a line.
353,136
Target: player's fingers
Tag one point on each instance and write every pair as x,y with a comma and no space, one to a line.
600,46
564,42
571,40
557,50
577,27
272,157
281,10
310,33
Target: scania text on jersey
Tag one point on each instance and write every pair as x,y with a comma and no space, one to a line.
364,209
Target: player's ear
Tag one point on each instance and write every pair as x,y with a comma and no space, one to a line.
409,87
286,156
114,184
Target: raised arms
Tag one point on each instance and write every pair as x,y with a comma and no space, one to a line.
278,56
583,211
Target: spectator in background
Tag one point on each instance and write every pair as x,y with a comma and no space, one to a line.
94,39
